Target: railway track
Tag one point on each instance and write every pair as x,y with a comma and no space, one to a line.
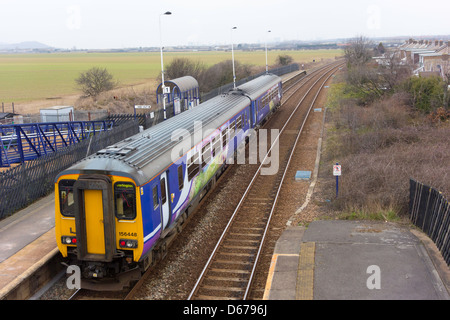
245,236
230,270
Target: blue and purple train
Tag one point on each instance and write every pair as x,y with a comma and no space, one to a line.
116,210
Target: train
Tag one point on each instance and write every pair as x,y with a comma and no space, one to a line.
116,210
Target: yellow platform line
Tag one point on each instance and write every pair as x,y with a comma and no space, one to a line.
305,274
269,280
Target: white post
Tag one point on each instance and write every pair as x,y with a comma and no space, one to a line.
267,63
162,62
232,58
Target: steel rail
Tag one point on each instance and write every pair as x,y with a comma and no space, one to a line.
227,227
281,184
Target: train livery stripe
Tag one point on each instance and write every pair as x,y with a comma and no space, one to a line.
151,235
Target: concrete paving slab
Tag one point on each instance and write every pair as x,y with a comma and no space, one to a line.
354,260
22,228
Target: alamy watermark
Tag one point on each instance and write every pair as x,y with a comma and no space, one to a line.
259,146
73,281
374,280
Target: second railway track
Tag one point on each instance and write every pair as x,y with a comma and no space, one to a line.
230,270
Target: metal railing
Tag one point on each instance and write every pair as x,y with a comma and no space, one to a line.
430,211
23,142
23,184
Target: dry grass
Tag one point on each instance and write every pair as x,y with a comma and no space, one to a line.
380,147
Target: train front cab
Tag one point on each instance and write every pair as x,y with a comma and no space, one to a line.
97,224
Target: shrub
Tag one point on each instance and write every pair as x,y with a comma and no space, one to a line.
426,93
380,147
284,59
181,67
94,81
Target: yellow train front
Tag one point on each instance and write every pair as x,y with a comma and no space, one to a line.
97,227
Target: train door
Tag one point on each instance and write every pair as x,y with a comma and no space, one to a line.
94,218
254,110
165,209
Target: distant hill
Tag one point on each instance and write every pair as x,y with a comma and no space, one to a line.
26,45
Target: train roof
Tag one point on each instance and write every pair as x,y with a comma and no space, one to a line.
260,85
145,154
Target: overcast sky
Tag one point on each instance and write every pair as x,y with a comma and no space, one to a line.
134,23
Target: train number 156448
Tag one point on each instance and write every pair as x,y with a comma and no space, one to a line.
128,234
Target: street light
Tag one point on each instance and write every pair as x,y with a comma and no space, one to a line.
267,64
232,57
163,87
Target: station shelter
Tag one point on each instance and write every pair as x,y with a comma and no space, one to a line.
181,94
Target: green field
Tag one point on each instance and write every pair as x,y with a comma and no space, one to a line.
27,77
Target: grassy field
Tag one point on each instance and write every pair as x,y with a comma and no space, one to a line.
28,77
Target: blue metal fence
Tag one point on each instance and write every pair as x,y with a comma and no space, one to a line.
25,183
24,142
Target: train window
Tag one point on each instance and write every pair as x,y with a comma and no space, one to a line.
215,146
224,137
206,154
213,142
180,177
125,200
163,191
66,197
193,166
239,123
155,197
233,127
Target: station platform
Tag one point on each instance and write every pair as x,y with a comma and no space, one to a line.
21,255
356,260
328,260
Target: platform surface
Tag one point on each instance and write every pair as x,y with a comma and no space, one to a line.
27,237
354,260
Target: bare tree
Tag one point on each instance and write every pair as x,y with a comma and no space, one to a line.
359,51
95,81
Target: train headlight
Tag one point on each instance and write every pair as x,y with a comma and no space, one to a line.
129,244
68,240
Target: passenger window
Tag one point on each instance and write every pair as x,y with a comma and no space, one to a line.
180,177
193,166
66,197
224,137
155,197
216,145
213,141
206,154
125,200
239,123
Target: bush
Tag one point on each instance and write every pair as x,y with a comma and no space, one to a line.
181,67
426,93
95,80
284,59
380,147
208,78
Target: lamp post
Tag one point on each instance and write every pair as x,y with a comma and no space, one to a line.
267,64
163,87
232,57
